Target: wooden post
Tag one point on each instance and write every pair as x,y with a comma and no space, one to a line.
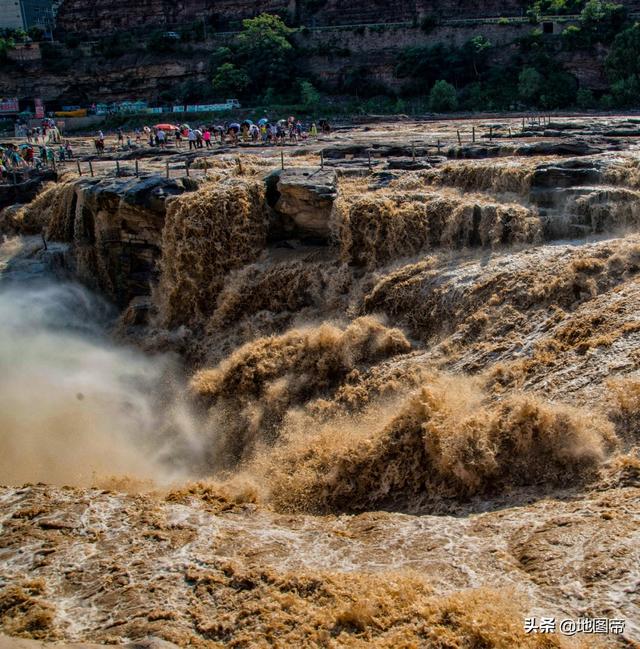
91,168
439,145
473,136
167,169
54,163
118,168
523,123
413,151
137,168
369,158
186,166
239,163
459,138
79,167
282,159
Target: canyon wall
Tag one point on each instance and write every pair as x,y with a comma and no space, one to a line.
333,49
110,15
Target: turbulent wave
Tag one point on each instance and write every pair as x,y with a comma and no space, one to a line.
444,441
251,391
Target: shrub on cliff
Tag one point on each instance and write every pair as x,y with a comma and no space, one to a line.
529,84
229,80
160,43
6,44
309,96
626,92
586,99
624,58
443,97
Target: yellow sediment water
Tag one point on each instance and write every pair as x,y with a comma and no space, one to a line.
416,435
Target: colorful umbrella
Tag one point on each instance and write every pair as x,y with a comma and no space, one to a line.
166,127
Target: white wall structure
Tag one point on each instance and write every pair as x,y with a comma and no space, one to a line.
11,14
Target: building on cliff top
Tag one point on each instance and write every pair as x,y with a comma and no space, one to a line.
25,14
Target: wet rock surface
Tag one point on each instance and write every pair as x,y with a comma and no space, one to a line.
305,198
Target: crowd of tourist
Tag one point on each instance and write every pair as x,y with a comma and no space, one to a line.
44,146
264,132
47,133
17,159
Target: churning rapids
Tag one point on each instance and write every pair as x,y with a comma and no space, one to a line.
341,408
78,409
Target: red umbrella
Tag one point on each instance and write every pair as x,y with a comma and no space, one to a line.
166,127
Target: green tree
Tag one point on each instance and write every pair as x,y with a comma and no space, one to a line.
529,84
624,57
542,8
6,44
192,91
559,89
265,51
309,96
269,97
626,92
574,38
219,56
228,79
443,97
36,34
601,21
585,99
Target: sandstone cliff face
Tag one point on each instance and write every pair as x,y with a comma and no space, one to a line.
142,75
106,16
103,16
93,79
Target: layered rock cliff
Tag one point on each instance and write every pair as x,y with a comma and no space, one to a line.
109,15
